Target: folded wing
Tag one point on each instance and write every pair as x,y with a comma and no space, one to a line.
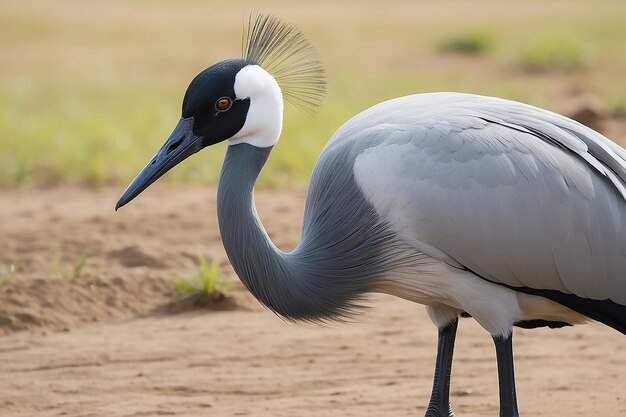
519,195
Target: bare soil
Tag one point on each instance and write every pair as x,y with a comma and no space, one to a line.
115,340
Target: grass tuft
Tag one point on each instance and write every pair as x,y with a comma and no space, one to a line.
70,274
554,53
8,273
204,281
79,265
470,43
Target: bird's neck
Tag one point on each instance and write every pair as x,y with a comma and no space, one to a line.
262,267
345,247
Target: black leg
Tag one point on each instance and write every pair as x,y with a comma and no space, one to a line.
439,405
506,376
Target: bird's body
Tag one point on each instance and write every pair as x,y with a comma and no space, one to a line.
463,203
501,190
439,199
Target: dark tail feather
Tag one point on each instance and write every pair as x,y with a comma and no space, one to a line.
604,311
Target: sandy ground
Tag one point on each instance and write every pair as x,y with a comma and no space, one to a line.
117,341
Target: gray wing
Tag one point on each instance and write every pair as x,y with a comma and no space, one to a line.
519,195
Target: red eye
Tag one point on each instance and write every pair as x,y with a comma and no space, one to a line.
223,104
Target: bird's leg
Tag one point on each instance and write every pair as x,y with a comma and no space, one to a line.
439,405
506,376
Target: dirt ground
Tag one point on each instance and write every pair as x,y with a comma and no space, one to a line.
115,340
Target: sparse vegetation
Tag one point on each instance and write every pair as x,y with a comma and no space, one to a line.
471,42
79,265
69,273
90,100
204,280
9,272
556,53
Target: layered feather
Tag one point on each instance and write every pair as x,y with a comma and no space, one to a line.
282,50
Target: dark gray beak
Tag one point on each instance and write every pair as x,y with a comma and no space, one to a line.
181,144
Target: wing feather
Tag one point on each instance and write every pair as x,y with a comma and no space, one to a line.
519,195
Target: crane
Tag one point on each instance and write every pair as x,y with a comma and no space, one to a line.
470,205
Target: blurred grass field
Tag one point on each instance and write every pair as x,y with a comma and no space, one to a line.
90,90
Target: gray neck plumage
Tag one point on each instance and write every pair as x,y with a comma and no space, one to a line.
344,249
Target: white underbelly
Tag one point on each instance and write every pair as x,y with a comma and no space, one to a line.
496,308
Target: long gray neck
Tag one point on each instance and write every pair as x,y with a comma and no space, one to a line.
344,248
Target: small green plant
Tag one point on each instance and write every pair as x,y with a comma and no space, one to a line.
77,269
205,281
471,42
8,273
79,265
556,53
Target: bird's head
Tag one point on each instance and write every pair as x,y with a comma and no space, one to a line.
240,100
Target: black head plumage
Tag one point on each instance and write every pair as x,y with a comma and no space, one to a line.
212,111
277,47
201,98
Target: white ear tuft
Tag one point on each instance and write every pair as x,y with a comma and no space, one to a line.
264,120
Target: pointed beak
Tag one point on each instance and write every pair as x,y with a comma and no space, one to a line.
181,144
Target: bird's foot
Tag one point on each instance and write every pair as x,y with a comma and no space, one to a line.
439,411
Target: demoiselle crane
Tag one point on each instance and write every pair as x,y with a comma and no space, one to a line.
467,204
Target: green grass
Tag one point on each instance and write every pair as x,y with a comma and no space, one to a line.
204,280
9,272
79,266
70,272
472,42
90,92
557,53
